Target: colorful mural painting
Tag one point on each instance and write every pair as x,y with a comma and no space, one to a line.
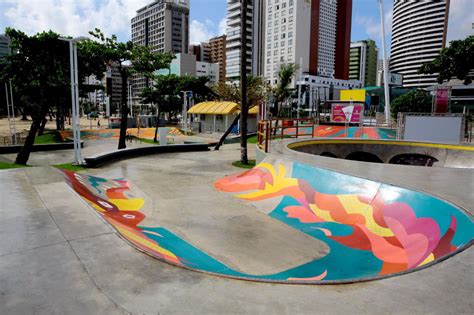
372,230
369,133
114,134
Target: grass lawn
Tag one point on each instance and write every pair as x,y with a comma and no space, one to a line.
252,140
246,166
6,166
147,141
71,167
47,138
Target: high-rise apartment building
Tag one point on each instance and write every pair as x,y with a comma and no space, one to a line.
418,34
314,34
4,46
255,27
363,62
217,54
201,51
162,25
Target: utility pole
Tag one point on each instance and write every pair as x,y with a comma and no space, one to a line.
385,65
244,109
299,89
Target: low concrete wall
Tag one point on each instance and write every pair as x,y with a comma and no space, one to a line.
447,155
39,147
104,158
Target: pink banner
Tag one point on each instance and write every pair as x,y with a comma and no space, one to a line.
442,100
344,113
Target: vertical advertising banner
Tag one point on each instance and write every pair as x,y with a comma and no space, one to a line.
442,99
342,113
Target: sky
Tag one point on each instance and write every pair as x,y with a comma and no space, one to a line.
77,17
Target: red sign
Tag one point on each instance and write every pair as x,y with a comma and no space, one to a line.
342,113
442,99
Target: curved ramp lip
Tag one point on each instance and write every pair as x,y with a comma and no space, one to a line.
292,146
308,282
295,144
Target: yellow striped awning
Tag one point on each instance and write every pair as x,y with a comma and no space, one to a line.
214,108
253,110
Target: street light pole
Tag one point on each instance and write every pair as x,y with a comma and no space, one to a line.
76,124
385,65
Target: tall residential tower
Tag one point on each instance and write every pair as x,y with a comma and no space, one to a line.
217,54
255,27
162,25
316,32
418,34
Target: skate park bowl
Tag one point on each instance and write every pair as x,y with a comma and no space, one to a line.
370,230
391,152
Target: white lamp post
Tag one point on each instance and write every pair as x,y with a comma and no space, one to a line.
385,65
185,111
76,124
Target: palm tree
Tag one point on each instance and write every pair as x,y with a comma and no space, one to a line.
282,90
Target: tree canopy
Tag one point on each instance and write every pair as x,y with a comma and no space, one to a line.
230,92
130,60
167,91
455,61
39,70
417,101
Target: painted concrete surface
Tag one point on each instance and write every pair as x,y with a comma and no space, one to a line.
372,230
325,131
100,273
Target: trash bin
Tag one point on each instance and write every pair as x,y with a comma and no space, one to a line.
163,135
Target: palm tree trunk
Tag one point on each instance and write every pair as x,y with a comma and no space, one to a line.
244,111
229,130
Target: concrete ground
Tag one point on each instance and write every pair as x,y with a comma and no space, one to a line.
58,257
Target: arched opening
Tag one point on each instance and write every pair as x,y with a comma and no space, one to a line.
414,160
364,157
328,154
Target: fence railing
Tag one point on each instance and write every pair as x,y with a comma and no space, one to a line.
263,134
283,128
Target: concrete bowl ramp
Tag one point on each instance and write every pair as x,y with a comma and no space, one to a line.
372,230
391,152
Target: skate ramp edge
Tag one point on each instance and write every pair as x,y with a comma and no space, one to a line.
373,230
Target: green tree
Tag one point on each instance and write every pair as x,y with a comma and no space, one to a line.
167,94
130,60
455,61
417,101
39,70
282,91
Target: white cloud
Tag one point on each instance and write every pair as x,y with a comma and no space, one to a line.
371,25
200,32
203,31
223,26
461,17
72,17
